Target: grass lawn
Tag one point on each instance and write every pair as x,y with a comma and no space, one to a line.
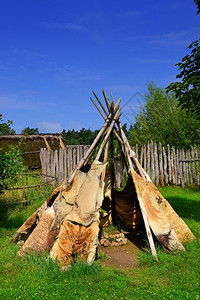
174,276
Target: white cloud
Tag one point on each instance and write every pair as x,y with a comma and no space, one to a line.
49,127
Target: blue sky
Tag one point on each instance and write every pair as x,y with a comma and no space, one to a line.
54,53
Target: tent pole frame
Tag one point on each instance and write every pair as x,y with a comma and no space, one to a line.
130,154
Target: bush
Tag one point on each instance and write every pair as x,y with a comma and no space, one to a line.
11,166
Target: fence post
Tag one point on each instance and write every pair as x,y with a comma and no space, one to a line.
165,166
53,171
145,157
65,163
160,158
197,168
148,159
60,165
48,164
152,162
156,164
169,163
181,169
178,167
141,155
74,157
173,161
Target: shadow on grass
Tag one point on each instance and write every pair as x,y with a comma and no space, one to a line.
8,218
185,208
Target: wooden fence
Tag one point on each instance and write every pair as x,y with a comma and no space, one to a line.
164,165
169,165
60,163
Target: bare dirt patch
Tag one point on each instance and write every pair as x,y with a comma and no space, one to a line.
125,256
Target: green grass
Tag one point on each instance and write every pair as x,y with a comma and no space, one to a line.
174,276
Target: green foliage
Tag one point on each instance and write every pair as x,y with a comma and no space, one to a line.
29,131
162,120
187,90
197,2
82,137
5,127
11,166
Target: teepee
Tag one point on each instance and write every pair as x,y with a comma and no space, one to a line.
67,224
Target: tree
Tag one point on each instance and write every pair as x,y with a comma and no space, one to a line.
82,137
187,90
29,131
197,2
5,127
162,120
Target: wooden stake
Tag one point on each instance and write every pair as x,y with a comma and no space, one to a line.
103,176
141,171
106,100
107,135
81,163
100,104
97,108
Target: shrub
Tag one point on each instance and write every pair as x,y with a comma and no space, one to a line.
11,166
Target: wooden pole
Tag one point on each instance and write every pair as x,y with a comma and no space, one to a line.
97,108
107,135
100,104
90,150
103,176
132,154
106,100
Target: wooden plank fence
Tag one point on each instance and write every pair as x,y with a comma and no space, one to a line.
164,165
169,165
60,164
